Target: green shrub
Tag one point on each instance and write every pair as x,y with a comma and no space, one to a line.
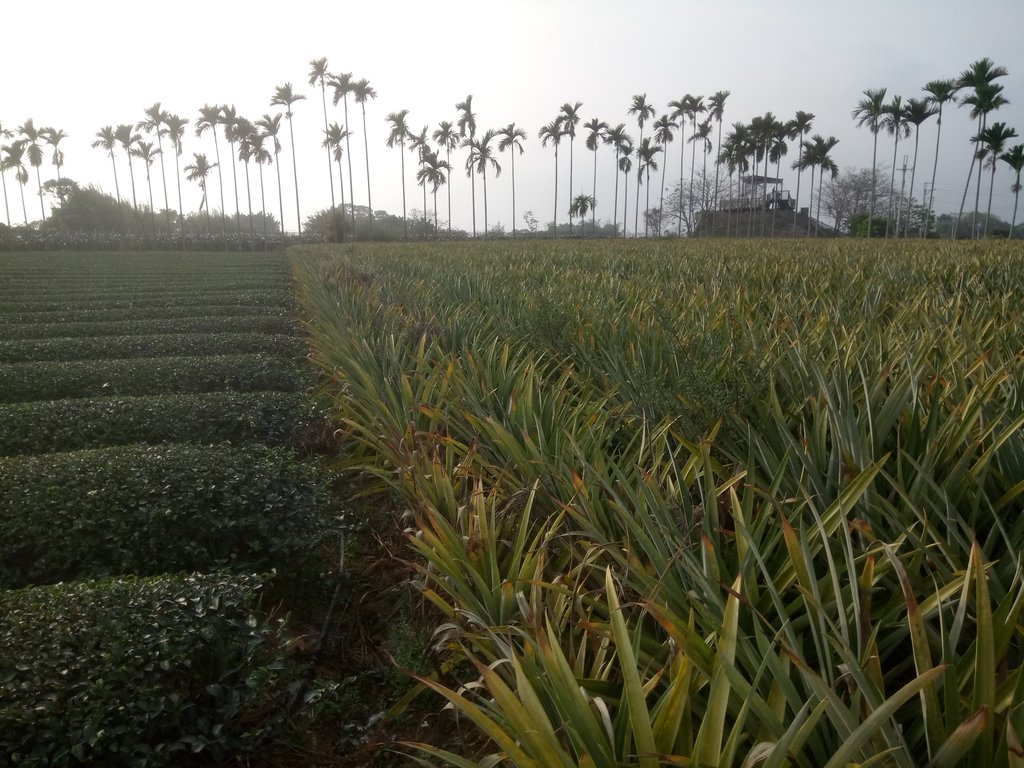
77,314
155,509
157,345
47,426
76,299
241,324
23,382
174,670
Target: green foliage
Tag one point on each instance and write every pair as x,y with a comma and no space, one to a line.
23,382
270,418
166,671
163,345
154,509
260,323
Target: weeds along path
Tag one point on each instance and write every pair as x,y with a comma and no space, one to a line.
693,502
160,509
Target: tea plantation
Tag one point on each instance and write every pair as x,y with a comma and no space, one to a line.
153,410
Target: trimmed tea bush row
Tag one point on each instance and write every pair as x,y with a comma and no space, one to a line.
204,324
163,345
154,509
103,315
23,382
139,672
192,298
46,426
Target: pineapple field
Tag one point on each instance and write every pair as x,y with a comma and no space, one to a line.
697,503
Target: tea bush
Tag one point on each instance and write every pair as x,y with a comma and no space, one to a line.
48,426
158,345
199,324
173,670
154,509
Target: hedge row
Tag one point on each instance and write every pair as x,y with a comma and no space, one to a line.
175,670
157,345
24,382
31,301
47,426
155,509
250,323
103,315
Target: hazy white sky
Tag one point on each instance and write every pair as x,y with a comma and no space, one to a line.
86,65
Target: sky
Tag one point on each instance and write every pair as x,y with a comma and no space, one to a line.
95,64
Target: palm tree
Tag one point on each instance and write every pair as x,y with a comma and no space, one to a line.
680,111
581,204
895,123
258,150
799,127
694,107
128,140
363,92
153,124
33,138
229,121
270,126
285,97
435,172
467,130
870,111
939,92
176,132
597,129
318,74
702,135
570,119
145,151
418,143
822,147
625,165
447,139
512,138
778,149
987,97
915,112
6,134
343,85
646,154
246,150
553,132
663,134
333,138
12,158
993,140
53,137
762,133
1015,159
398,134
716,110
734,154
197,171
643,111
105,140
616,137
209,119
481,154
808,159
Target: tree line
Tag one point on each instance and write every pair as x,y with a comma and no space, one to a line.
744,155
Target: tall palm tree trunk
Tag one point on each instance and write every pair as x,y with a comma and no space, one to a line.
24,210
248,197
181,205
472,194
131,173
280,190
39,185
209,225
295,173
625,202
718,151
913,176
799,169
435,214
935,169
405,221
636,209
152,208
963,200
810,208
163,180
647,218
615,214
682,157
341,188
554,221
874,186
892,183
484,174
513,194
263,205
977,193
348,153
330,169
1016,199
366,143
571,153
220,181
234,178
661,200
449,153
593,211
817,215
991,187
117,189
7,207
